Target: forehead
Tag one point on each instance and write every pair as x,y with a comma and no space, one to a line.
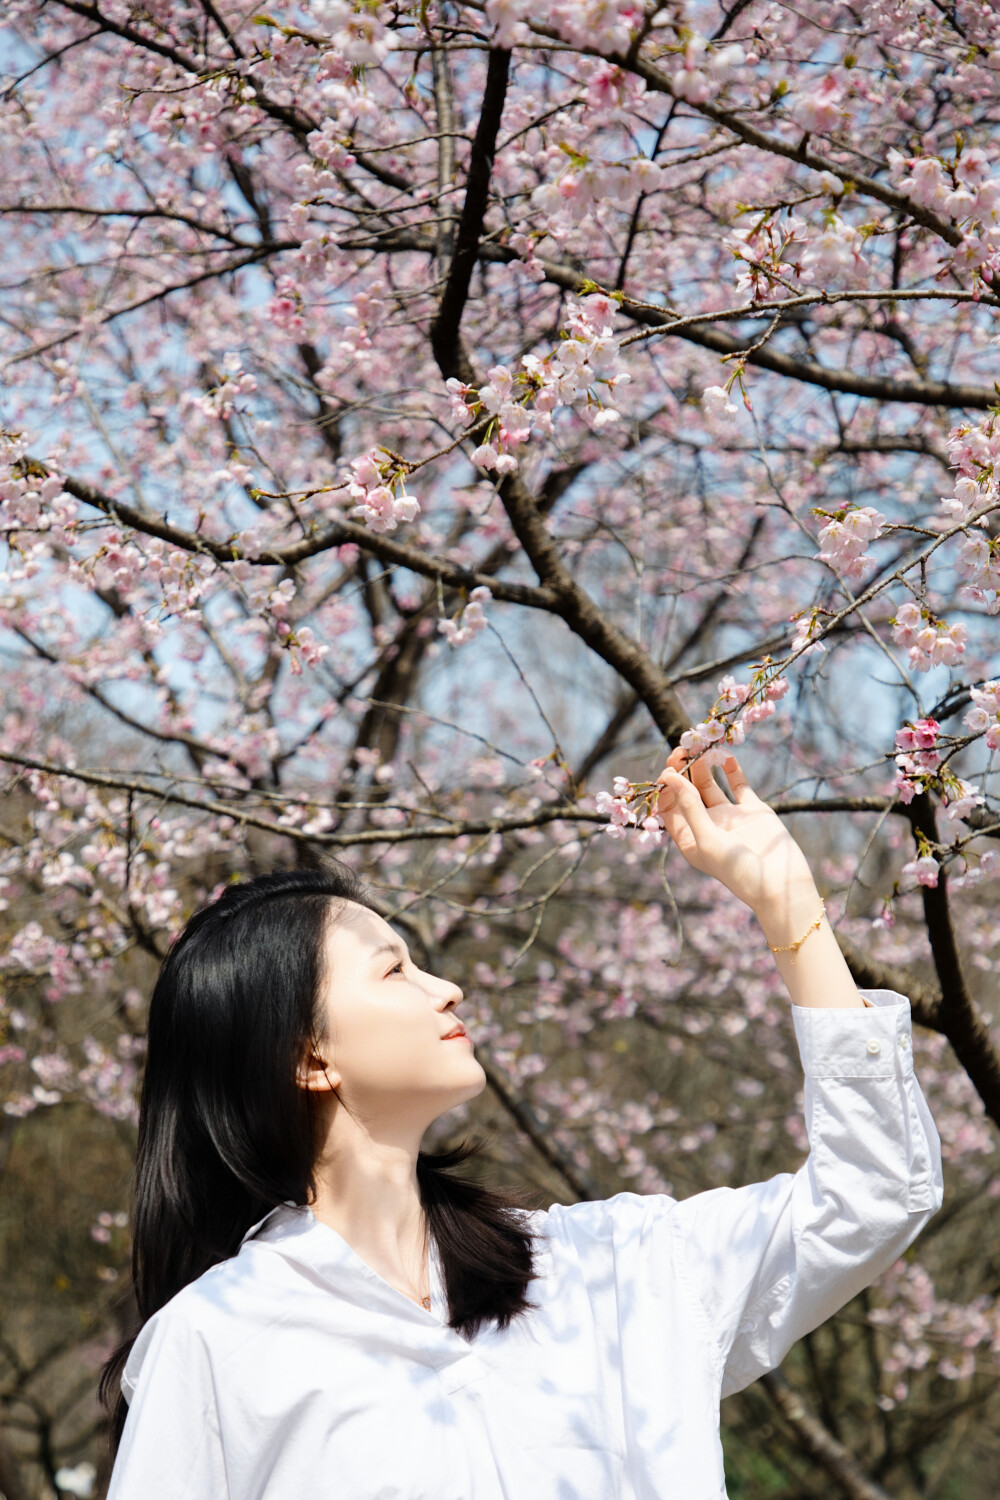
358,931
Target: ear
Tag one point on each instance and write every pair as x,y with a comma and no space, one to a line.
317,1075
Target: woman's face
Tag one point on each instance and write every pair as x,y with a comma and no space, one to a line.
386,1022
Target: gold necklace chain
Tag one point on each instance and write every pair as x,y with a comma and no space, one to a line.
423,1301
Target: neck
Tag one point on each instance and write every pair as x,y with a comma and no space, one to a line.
366,1189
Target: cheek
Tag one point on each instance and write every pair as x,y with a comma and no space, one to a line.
386,1048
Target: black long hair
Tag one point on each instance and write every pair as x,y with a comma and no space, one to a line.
226,1134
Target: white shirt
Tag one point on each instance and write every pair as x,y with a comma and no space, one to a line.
294,1370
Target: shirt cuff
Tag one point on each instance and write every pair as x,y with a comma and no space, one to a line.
853,1041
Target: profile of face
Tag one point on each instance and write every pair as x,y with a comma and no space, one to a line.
385,1021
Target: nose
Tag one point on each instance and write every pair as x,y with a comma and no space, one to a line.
451,994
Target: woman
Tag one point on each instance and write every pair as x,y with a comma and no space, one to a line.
329,1313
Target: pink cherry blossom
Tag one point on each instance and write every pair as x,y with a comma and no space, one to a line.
470,620
820,109
922,734
715,400
924,870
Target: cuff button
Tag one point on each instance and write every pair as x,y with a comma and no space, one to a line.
904,1040
874,1046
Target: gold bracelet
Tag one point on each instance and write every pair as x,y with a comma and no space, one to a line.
791,947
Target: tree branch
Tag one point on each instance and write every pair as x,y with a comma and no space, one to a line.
959,1016
873,974
836,1460
445,336
253,257
540,1136
334,534
444,105
799,152
443,828
584,618
12,1485
875,387
298,121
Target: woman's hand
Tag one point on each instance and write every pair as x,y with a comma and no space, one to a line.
743,843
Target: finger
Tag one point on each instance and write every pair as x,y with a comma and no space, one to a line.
701,774
669,811
741,788
677,758
683,813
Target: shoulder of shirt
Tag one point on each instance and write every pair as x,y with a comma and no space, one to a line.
215,1311
601,1217
223,1291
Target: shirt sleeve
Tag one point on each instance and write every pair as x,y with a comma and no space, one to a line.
771,1261
170,1447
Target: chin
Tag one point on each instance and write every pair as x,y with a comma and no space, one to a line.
477,1082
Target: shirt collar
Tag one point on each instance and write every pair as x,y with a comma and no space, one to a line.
294,1231
251,1232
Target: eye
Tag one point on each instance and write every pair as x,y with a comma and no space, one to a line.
396,969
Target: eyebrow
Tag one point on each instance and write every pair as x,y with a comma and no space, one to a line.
396,949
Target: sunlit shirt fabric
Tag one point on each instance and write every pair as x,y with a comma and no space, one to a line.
293,1369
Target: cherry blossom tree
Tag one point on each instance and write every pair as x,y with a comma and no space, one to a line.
417,419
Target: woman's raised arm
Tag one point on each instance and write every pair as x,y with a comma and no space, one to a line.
771,1261
745,845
